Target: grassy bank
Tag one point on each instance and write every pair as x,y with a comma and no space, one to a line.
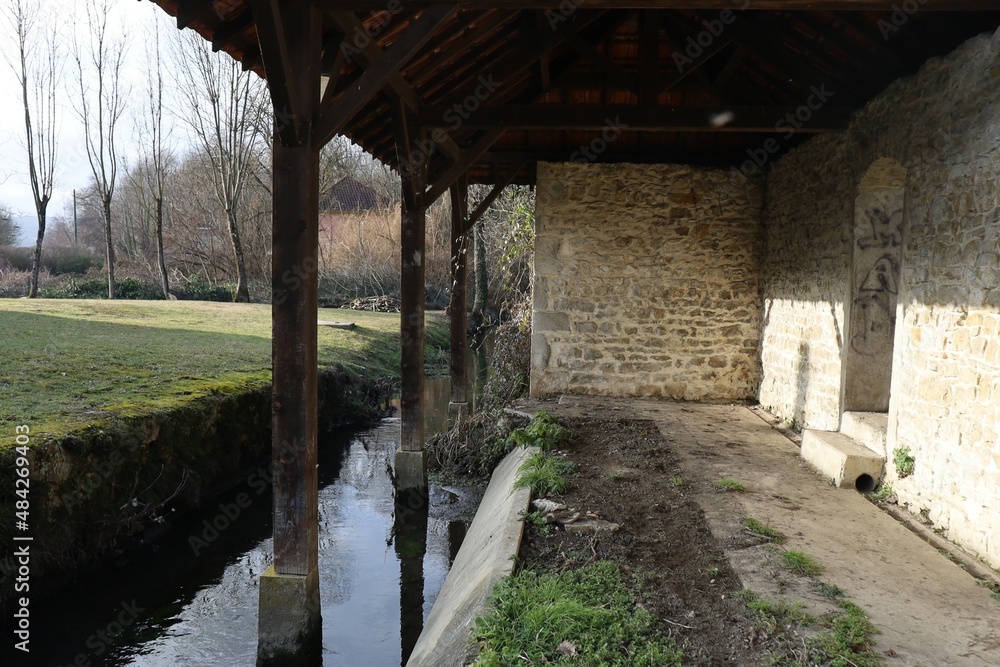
67,364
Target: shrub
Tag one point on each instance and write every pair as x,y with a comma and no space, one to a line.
97,288
197,288
543,431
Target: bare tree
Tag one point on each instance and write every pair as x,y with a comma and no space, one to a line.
99,62
225,109
38,68
156,156
9,231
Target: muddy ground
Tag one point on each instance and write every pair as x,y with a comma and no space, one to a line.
629,475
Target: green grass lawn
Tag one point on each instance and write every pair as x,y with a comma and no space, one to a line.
66,363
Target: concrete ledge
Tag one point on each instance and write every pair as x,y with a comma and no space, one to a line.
866,428
289,623
839,457
411,470
486,557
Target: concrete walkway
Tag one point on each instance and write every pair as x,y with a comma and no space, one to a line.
930,612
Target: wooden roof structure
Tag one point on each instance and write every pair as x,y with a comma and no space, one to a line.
498,86
477,91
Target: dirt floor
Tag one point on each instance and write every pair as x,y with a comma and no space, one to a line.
654,468
625,468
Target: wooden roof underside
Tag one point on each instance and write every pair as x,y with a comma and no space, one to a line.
561,75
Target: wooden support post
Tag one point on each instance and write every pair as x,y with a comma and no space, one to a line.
458,408
411,461
289,620
294,308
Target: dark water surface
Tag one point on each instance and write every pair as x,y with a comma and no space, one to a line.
194,601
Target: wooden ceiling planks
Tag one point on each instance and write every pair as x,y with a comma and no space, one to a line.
686,57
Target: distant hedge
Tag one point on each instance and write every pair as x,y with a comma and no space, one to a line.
97,288
58,261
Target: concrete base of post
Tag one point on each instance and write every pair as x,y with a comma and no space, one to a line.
289,620
411,470
457,413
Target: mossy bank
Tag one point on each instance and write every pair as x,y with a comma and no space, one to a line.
139,412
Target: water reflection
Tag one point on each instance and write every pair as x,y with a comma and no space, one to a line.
196,596
379,577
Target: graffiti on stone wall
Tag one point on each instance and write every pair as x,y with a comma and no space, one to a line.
876,275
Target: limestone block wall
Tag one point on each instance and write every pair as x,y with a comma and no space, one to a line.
941,130
646,282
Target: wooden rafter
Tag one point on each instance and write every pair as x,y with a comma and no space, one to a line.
226,31
832,5
336,116
644,117
189,11
274,53
460,166
498,187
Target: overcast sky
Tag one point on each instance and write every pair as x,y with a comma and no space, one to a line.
135,19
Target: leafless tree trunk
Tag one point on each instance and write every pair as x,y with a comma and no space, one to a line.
225,109
38,68
481,293
156,156
99,62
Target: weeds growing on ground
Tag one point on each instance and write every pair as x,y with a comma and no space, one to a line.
544,474
763,530
543,431
831,591
678,481
776,615
800,563
583,617
536,519
846,642
728,485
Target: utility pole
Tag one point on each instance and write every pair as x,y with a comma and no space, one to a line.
76,240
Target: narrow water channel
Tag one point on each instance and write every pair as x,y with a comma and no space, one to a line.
194,601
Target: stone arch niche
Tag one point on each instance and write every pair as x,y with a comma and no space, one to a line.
876,256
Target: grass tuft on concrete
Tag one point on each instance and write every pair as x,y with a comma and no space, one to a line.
583,617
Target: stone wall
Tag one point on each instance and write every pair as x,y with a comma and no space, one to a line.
941,130
646,282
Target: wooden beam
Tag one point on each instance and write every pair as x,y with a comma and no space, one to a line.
649,57
763,41
396,84
226,31
498,188
458,307
788,5
404,154
334,58
652,118
189,11
294,279
412,301
274,51
459,167
336,117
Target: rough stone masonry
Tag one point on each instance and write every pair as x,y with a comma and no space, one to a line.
647,282
870,281
928,148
